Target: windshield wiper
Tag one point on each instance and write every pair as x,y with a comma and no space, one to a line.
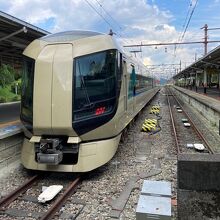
90,104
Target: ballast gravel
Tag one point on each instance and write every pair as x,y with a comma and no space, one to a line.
93,198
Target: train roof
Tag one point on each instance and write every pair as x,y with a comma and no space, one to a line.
67,36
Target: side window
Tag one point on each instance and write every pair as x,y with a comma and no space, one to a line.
119,72
131,88
27,89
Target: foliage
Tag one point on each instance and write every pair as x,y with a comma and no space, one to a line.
6,75
8,85
7,96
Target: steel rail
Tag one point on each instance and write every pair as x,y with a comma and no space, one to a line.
17,192
173,126
200,135
61,200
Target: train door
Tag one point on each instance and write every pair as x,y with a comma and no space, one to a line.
125,86
131,89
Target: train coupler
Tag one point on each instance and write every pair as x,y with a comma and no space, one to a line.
48,151
52,158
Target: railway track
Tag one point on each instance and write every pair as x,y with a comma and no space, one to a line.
182,134
54,206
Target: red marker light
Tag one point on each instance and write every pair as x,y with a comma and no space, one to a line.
100,111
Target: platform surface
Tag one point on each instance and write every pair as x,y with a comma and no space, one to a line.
10,130
205,99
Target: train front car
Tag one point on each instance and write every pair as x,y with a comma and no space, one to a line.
71,90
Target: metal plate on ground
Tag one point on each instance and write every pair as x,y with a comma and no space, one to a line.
199,147
184,120
186,124
190,145
119,203
153,207
157,188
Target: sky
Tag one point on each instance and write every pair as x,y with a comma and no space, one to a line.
133,22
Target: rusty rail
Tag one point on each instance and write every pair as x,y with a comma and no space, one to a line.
200,135
173,126
17,192
61,200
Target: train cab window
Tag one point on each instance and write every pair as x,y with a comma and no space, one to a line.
27,91
95,84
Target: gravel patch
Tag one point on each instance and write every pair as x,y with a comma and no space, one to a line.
100,187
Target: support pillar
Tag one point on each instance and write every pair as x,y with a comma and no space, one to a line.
219,79
196,81
219,82
205,80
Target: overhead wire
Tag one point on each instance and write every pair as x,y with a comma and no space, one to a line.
109,14
189,20
99,13
186,25
110,25
183,26
115,21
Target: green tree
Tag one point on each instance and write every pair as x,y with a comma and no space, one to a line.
6,75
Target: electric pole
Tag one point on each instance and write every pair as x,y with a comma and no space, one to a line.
205,38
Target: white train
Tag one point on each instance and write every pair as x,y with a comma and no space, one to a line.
79,92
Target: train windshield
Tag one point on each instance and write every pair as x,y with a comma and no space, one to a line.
95,84
27,92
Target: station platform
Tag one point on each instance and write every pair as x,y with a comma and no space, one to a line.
9,112
210,92
10,129
210,99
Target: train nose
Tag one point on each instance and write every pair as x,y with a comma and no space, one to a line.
53,91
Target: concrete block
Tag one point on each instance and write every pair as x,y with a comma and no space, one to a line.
7,153
156,188
198,172
2,145
10,148
13,159
3,163
18,148
13,140
153,207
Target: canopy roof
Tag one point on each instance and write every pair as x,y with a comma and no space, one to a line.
212,59
15,35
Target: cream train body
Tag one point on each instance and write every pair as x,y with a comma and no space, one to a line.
79,92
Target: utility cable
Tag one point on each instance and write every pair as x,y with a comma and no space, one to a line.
98,13
184,24
189,20
109,14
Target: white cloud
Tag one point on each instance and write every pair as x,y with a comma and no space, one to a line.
139,22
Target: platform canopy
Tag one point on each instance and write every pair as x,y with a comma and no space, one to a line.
212,59
15,35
